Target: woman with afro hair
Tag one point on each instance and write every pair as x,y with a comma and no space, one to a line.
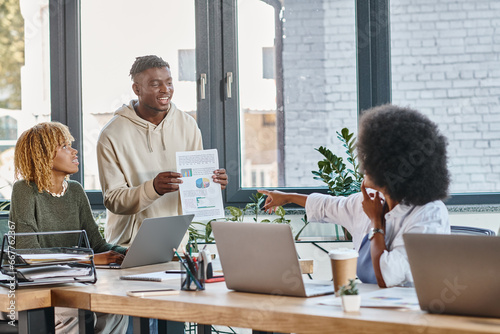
403,158
44,199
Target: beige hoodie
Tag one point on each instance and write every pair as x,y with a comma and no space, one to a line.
130,153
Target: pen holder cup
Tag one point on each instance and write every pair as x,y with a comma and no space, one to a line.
192,280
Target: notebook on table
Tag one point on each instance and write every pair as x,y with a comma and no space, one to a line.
261,258
154,242
456,274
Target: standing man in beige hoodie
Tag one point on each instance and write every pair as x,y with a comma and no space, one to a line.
136,152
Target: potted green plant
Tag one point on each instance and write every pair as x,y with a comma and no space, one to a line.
203,231
341,180
351,300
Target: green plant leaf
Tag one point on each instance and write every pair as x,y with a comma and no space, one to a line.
332,170
249,206
234,211
280,211
349,289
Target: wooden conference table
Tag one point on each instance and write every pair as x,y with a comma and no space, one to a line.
219,306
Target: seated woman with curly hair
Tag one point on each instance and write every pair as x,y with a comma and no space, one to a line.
403,157
46,200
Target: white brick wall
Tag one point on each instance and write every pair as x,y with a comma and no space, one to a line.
461,61
319,82
445,63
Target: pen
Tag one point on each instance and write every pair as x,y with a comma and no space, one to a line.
173,271
195,261
188,271
190,263
193,266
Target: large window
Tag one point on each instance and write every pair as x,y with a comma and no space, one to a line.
311,94
268,80
257,86
24,77
445,62
110,41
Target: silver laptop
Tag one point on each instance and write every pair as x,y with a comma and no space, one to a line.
261,258
456,274
155,241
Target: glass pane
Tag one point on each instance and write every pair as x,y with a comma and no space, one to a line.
111,39
317,74
445,63
24,77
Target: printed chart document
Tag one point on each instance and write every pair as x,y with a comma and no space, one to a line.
394,298
199,194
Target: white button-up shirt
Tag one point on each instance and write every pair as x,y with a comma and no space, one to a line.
348,212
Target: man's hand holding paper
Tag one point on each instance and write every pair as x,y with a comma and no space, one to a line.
166,182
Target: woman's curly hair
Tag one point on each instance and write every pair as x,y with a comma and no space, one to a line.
35,152
403,151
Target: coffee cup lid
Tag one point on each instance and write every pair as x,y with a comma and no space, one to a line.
342,254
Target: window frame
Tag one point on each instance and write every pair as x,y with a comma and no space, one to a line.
65,70
216,56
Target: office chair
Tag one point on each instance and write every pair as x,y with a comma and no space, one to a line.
470,230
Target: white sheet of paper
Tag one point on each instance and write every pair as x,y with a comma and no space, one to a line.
157,276
53,257
199,194
395,297
41,272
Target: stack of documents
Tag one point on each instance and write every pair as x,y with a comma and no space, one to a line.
53,271
47,258
52,265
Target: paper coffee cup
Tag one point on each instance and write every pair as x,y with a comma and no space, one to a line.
344,262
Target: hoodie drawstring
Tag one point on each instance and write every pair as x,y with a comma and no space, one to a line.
148,135
163,136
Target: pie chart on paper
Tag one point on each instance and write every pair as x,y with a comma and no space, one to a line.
202,182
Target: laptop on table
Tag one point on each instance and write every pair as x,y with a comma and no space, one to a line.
154,242
456,274
261,258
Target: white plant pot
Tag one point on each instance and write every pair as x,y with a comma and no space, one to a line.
351,303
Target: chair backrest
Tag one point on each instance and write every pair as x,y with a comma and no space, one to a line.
470,230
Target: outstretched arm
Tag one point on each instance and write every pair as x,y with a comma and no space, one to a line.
279,198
